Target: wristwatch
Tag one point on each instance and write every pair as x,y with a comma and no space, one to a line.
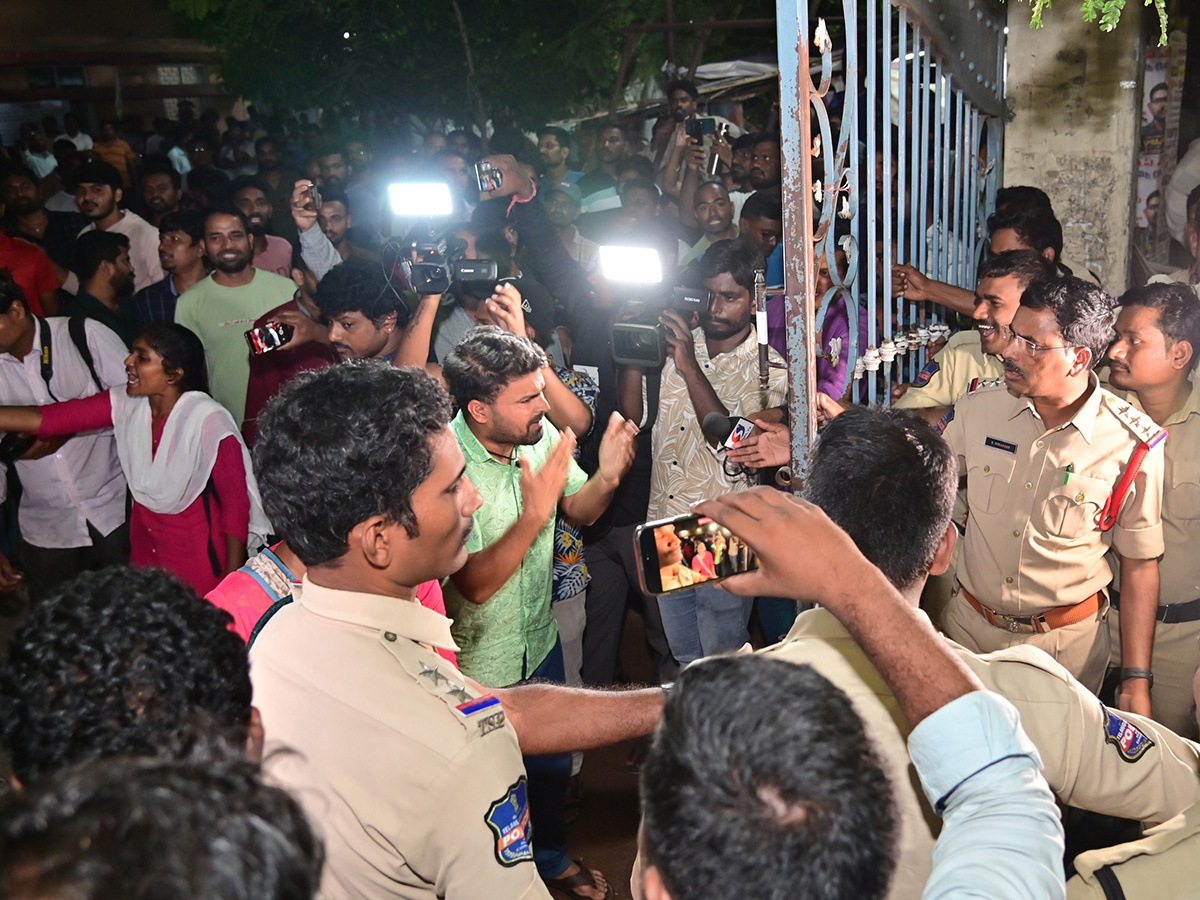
1126,674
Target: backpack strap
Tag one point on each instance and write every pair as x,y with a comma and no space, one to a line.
213,559
46,363
77,327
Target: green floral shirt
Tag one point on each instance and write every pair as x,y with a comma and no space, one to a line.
509,635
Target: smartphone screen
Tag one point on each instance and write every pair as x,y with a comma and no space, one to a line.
674,554
488,177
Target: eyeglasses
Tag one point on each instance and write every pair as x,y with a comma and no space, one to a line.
1033,346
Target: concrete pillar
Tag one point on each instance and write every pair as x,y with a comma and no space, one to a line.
1074,92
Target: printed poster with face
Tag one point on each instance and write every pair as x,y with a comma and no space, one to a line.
1155,98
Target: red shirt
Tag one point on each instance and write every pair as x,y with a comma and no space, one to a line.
270,371
30,269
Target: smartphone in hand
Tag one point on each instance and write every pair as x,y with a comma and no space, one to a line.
678,553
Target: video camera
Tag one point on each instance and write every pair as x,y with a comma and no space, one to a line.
636,273
442,254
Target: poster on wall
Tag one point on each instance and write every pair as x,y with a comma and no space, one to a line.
1162,90
1155,95
1149,199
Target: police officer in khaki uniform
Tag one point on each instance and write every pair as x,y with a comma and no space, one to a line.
1058,470
973,356
1164,864
411,772
1158,332
1094,757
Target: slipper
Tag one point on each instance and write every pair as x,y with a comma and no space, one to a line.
568,885
637,755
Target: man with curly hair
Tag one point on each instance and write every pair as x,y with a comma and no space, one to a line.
169,829
412,771
123,662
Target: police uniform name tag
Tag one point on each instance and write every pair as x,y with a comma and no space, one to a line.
1006,446
1131,742
508,820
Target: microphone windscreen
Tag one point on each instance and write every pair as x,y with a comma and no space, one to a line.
717,427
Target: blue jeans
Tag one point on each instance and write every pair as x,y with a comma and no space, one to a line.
549,778
776,615
704,620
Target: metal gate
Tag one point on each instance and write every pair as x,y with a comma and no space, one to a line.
909,177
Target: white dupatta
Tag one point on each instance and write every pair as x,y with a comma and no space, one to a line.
169,481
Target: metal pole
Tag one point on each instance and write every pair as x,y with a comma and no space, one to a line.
795,86
866,243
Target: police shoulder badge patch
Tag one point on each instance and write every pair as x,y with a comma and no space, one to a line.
1131,742
508,819
926,373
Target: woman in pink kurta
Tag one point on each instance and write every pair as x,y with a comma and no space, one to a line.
194,499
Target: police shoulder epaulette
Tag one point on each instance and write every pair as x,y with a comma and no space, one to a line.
978,384
469,706
1143,427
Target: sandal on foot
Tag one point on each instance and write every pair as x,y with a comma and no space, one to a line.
568,885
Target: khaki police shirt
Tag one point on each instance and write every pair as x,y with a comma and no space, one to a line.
1095,758
947,377
1179,568
1163,865
414,781
1032,540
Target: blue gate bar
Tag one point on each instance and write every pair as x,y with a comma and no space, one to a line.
931,129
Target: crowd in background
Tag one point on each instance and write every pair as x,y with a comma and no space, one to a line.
222,355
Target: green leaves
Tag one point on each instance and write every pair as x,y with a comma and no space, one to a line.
1106,12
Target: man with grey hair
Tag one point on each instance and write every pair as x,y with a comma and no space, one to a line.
1059,471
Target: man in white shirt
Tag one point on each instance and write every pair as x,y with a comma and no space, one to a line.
71,132
98,195
38,158
72,513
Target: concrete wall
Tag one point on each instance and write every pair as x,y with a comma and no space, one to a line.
1074,92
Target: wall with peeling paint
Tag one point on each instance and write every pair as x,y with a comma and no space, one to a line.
1074,92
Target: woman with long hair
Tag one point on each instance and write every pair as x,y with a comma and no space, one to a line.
195,504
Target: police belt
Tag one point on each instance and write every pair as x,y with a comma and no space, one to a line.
1042,622
1171,613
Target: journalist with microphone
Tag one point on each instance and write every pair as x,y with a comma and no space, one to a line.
709,369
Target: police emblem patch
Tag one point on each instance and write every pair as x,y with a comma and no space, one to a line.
508,819
1131,742
926,373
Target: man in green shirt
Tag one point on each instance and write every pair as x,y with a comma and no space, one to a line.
500,600
224,306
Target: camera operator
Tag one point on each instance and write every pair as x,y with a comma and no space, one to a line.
713,368
588,309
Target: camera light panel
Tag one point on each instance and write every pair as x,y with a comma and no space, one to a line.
413,199
634,265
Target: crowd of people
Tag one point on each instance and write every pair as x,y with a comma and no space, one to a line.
329,546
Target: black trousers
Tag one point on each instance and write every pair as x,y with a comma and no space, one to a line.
612,564
47,568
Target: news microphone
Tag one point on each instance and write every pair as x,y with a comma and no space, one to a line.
717,427
727,431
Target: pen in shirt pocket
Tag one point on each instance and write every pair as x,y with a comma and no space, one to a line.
1070,468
